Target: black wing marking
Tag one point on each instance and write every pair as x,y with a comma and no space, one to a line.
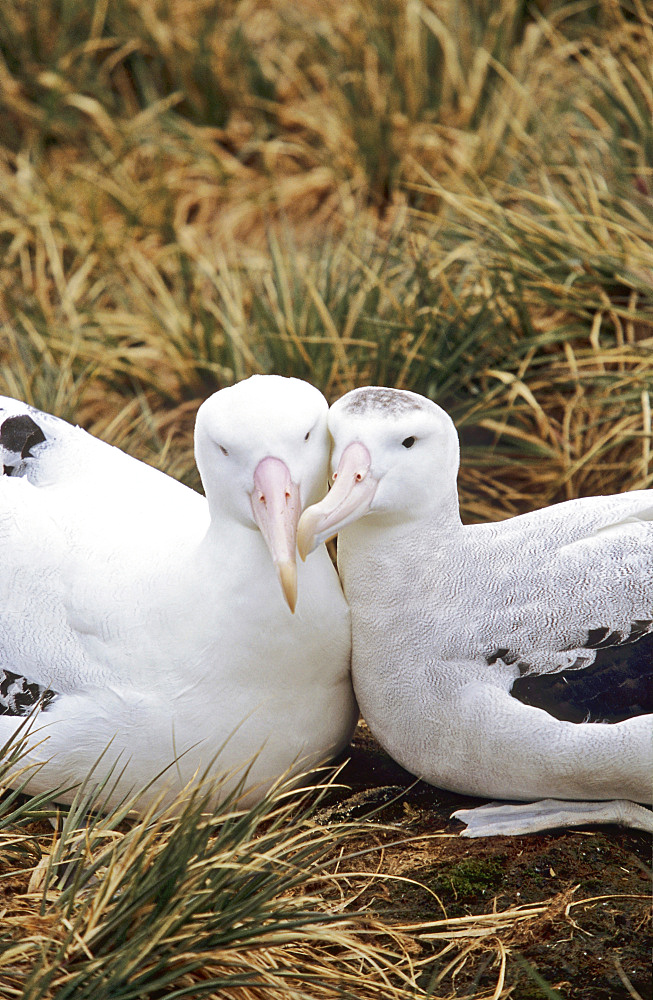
502,653
600,638
18,696
18,435
616,686
596,639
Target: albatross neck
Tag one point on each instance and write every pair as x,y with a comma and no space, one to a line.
438,520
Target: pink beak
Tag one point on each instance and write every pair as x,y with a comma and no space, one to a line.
348,499
276,508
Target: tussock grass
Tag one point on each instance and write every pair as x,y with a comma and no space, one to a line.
439,196
449,196
256,904
243,904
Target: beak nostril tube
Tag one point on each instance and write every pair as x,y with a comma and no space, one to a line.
347,500
276,513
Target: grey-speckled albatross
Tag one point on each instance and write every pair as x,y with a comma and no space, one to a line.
447,618
149,620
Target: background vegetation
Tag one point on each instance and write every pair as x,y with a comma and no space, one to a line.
452,196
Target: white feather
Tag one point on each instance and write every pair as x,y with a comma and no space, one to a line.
446,616
157,617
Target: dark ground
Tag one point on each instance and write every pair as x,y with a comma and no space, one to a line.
593,949
568,910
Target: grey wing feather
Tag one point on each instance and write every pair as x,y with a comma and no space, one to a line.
566,581
601,613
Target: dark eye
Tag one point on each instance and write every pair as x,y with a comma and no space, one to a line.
307,435
408,442
223,450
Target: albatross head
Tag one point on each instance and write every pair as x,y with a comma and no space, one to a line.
395,456
261,448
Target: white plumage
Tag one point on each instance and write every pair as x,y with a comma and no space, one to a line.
153,618
446,618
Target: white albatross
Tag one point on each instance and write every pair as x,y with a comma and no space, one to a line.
149,620
446,617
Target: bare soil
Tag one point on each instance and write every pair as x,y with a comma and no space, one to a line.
590,941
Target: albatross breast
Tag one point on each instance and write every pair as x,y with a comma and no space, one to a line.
150,617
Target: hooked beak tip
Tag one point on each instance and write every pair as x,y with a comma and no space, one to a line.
288,578
306,533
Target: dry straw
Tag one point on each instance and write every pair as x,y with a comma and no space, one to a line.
450,196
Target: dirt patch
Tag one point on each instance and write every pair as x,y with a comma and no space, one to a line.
576,904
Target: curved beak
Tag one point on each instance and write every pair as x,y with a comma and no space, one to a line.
276,508
348,499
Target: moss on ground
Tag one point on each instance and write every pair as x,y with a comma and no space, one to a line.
592,937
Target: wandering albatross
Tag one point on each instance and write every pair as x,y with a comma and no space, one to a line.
447,618
145,618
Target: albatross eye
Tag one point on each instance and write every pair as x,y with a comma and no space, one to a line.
408,442
307,435
223,449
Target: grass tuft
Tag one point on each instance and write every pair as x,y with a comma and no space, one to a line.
450,196
184,902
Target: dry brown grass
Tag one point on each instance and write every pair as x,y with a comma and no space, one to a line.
269,905
452,199
448,196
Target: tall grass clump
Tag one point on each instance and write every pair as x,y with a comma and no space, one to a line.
449,196
280,900
446,196
184,902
